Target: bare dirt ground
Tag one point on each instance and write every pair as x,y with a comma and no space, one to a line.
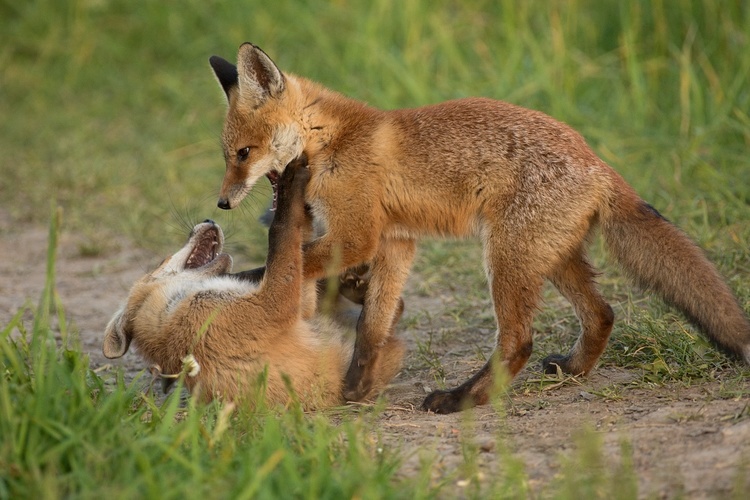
691,442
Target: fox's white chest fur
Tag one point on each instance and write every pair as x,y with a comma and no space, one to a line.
180,288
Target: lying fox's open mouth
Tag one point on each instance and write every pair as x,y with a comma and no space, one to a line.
202,254
273,178
208,243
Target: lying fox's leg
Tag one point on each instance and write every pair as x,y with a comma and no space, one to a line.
256,275
281,287
515,291
252,275
353,283
388,272
574,279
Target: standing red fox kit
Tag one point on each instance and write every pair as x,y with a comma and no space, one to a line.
236,329
527,185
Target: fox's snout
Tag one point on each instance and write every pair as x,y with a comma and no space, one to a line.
234,187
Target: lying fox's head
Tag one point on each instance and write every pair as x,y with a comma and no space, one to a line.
200,258
261,135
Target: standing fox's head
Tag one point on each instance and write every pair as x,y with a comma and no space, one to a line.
261,134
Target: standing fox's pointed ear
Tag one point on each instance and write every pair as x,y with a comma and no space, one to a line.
259,77
117,336
225,72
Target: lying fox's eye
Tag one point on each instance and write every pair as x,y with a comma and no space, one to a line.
242,153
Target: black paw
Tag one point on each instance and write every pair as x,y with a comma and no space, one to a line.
353,287
445,402
290,204
253,275
296,175
358,380
554,362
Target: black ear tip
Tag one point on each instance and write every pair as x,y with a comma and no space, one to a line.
218,62
225,71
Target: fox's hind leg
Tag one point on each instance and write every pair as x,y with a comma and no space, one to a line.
353,283
515,283
574,278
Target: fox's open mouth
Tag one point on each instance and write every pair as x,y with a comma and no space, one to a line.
208,243
273,177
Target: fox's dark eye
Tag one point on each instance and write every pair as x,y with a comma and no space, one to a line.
242,153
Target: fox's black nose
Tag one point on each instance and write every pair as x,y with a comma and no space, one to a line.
223,204
209,221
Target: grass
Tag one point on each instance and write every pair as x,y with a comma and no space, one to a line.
66,433
586,476
114,112
111,111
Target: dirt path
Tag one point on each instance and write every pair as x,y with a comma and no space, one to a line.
692,441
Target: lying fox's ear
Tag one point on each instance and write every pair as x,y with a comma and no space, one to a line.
225,72
117,336
259,77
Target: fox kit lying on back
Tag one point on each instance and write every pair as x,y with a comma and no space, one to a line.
236,329
526,184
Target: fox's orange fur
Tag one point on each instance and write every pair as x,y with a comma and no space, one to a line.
527,185
237,330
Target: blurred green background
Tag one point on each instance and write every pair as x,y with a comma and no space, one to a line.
109,107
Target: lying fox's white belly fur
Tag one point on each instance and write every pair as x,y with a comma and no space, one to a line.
180,288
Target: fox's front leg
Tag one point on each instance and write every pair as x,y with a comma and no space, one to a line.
281,285
252,275
382,302
347,243
353,283
256,275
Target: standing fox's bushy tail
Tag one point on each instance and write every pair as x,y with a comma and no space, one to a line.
658,256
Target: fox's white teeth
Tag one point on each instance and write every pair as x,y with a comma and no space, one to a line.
206,247
273,177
